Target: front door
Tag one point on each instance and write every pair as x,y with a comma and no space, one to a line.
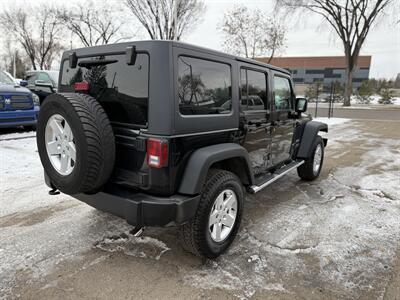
282,119
254,117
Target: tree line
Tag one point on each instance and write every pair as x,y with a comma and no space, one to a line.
42,31
385,88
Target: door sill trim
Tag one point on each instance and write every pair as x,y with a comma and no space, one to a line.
275,176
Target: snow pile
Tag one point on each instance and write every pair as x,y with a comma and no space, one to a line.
396,100
373,100
143,247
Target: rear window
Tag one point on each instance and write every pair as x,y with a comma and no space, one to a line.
204,86
122,89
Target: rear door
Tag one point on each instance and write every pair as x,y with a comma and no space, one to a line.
254,112
283,121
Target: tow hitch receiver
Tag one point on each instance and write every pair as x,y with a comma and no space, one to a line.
137,231
54,192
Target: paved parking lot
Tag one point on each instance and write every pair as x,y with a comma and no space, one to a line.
337,237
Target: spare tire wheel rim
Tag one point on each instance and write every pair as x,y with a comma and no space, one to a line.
317,159
60,145
223,215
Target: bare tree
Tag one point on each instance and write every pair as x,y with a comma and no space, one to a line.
9,56
93,24
250,33
37,30
351,20
167,19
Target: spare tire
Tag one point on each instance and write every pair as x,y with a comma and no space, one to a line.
75,142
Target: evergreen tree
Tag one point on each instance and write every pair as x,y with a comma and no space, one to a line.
365,91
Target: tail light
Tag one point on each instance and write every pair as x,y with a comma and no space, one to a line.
157,153
81,86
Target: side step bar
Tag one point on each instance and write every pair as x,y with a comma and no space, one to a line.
275,176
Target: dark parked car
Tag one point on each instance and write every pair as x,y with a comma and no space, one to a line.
18,105
162,133
41,82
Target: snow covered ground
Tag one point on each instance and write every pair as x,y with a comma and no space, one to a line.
332,121
337,237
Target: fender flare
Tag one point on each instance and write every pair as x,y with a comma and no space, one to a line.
202,159
310,131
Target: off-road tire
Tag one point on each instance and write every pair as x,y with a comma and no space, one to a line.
94,141
306,170
194,235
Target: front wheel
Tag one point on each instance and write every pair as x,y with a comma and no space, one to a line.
218,216
312,166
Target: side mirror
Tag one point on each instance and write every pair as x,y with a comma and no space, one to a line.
41,83
23,83
301,105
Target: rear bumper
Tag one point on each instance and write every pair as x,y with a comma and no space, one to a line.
140,209
19,117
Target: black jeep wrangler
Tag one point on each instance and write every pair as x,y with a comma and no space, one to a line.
163,133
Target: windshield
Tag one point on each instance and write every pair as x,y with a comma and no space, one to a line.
5,79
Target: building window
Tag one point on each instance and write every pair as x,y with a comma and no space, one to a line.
315,71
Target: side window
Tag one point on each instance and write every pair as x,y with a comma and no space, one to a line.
243,89
283,93
253,89
204,87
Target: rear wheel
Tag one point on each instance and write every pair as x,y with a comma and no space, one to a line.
218,216
75,142
312,166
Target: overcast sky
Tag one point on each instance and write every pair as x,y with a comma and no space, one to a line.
306,37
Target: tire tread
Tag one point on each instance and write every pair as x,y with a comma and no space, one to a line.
100,141
305,171
191,234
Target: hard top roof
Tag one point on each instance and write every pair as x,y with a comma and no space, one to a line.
121,47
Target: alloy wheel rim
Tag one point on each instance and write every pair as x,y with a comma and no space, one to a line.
223,215
317,159
60,145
